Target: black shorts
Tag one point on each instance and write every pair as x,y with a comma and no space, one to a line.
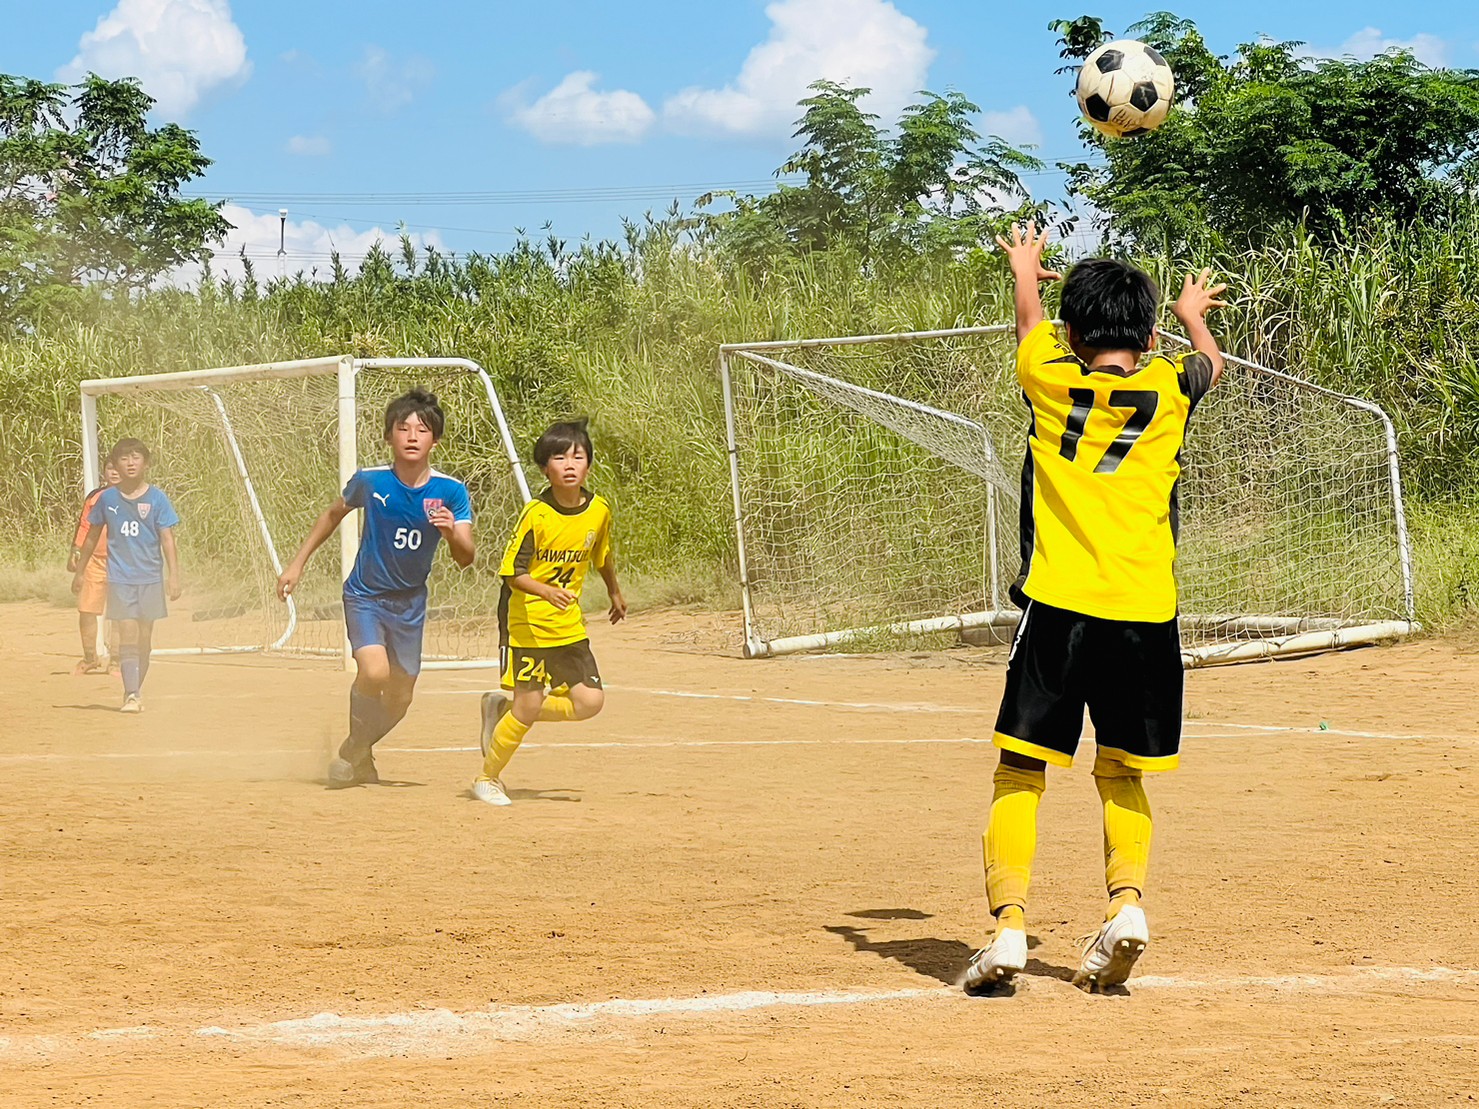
1127,673
550,667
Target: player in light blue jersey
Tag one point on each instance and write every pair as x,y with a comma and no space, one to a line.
408,508
143,565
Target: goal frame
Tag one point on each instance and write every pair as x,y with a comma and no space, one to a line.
1290,636
346,369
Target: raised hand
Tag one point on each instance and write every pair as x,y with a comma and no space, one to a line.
1198,296
1024,251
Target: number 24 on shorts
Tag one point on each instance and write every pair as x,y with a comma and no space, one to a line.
531,669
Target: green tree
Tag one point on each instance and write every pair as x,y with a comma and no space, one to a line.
933,185
1268,137
90,194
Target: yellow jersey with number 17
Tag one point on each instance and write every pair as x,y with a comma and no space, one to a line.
557,546
1098,522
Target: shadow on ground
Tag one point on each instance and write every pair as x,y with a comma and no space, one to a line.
943,960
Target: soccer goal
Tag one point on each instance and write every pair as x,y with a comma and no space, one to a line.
876,483
251,455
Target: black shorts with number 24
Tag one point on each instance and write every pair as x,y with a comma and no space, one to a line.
1128,674
550,667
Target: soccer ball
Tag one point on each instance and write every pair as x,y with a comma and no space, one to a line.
1125,88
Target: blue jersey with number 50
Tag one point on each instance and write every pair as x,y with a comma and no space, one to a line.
398,541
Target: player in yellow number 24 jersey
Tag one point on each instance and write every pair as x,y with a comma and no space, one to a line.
1098,597
548,670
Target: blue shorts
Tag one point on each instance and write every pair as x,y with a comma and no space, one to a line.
394,621
136,602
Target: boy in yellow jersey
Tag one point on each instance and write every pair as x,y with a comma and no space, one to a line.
1097,592
560,536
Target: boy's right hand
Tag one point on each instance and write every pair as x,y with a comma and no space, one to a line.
73,560
560,598
1198,297
287,581
1024,252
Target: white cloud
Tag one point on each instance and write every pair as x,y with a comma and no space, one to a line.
309,146
1017,125
308,246
1369,42
575,112
860,43
178,49
391,83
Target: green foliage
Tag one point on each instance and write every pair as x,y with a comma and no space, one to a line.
89,194
930,190
1269,138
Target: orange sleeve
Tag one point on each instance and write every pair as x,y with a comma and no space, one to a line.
83,527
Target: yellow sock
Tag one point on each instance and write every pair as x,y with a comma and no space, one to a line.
557,707
507,736
1126,831
1011,840
1012,916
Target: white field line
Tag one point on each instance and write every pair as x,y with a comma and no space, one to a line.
433,1029
624,743
745,698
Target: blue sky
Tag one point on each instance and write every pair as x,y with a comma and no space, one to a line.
575,112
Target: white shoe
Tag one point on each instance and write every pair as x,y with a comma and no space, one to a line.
132,704
996,964
1110,954
491,791
493,706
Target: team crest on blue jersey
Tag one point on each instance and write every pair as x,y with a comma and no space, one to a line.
431,504
143,507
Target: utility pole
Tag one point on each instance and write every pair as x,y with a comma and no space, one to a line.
282,243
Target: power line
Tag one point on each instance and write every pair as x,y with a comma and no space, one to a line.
587,195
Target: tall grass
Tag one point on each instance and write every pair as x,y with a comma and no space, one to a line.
627,334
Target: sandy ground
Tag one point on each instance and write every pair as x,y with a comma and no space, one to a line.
745,884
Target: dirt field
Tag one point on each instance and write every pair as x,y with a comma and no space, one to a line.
746,884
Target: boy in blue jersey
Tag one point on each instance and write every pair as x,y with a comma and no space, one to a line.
408,508
143,565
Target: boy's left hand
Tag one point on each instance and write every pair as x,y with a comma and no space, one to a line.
174,588
1024,252
442,519
618,610
74,560
1198,297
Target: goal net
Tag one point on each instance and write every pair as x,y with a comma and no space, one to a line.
877,491
251,455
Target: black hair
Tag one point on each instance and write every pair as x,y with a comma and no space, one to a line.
1110,305
418,402
561,437
127,446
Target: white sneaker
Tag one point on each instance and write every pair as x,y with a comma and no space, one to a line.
132,704
996,964
491,791
493,706
1110,954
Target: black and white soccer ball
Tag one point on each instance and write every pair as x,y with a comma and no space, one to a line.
1125,88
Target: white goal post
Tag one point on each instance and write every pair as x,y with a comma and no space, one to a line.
876,494
251,455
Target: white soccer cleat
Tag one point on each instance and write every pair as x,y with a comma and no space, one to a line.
1110,954
997,963
493,706
490,791
132,704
